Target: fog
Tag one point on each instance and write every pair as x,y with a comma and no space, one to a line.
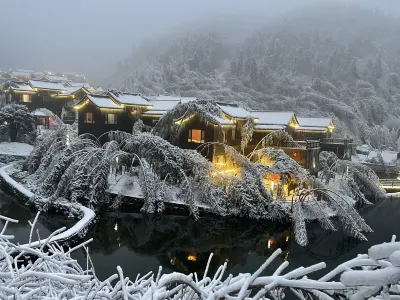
91,36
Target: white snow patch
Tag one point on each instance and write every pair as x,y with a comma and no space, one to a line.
387,155
19,187
87,216
14,148
383,250
380,277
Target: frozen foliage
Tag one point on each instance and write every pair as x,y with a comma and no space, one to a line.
353,179
65,168
309,62
49,272
207,110
17,124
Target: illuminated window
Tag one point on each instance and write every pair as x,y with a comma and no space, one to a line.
26,98
111,119
196,136
89,118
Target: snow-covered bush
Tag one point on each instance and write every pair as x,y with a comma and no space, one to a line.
17,124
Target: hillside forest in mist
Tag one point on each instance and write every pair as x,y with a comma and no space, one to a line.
333,60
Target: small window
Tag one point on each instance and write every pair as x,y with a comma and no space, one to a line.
196,136
89,118
233,136
111,119
26,98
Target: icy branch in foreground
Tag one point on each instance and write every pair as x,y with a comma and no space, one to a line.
49,272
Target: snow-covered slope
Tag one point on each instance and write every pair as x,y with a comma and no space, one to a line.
317,62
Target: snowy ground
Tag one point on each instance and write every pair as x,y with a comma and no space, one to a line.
388,156
18,149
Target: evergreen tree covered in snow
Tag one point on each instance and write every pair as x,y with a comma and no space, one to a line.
17,124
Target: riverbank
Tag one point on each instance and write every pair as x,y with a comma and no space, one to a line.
85,214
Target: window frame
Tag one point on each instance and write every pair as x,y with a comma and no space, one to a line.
202,136
86,118
28,96
115,119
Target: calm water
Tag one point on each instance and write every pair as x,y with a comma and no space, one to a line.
140,244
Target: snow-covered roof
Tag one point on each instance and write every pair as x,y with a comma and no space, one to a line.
130,99
314,122
19,73
312,128
37,75
79,84
234,110
160,107
269,127
102,101
46,85
273,117
22,87
41,113
172,98
70,90
165,98
223,121
57,78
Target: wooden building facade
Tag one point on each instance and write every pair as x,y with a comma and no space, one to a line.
98,114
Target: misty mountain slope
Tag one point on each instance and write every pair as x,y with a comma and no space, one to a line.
331,60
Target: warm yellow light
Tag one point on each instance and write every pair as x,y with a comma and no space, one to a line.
287,238
172,261
183,120
192,257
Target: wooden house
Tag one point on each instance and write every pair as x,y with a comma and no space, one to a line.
321,129
18,92
268,121
100,113
45,96
21,75
160,105
197,130
54,78
313,128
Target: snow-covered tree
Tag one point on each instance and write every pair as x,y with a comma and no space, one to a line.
17,124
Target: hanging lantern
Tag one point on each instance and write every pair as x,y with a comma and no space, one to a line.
276,177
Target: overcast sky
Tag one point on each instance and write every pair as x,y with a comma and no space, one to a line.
90,36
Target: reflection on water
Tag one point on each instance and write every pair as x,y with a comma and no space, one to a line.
140,243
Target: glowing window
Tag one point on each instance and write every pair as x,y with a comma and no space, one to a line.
89,118
26,98
111,119
196,136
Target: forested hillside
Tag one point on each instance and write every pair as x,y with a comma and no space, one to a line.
332,60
